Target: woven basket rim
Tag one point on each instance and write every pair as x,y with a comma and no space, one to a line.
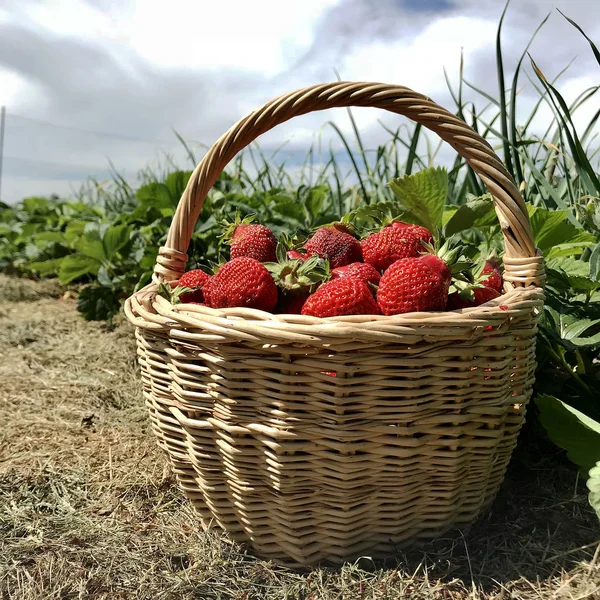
147,309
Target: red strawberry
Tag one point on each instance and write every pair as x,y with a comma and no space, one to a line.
494,280
393,242
242,282
195,280
295,255
342,296
254,241
480,296
363,271
413,284
335,244
439,265
291,303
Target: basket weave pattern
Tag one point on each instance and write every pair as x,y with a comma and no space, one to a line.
322,439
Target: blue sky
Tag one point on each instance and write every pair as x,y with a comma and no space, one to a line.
88,80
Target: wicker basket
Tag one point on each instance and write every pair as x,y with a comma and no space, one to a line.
414,434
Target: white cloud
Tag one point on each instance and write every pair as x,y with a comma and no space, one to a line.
137,69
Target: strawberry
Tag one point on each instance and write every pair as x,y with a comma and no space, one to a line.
250,239
341,296
494,280
393,242
296,280
335,244
480,295
243,281
194,280
363,271
414,284
254,241
295,255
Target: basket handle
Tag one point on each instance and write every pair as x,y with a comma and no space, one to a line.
523,263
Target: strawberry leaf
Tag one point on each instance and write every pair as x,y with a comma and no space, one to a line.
478,212
98,303
555,235
75,266
571,430
422,197
114,239
593,484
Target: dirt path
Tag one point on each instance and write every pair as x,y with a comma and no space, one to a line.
88,510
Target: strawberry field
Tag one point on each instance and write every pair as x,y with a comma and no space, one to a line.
333,240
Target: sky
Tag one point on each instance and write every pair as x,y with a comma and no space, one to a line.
87,83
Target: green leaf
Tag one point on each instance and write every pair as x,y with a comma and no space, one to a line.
551,229
422,197
36,204
589,213
572,273
75,266
74,231
103,277
157,195
45,268
315,201
175,183
478,212
44,238
571,430
98,303
90,244
595,263
593,484
115,238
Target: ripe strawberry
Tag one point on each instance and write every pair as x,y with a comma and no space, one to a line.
342,296
244,282
393,242
336,244
194,280
413,284
481,295
363,271
249,239
494,280
254,241
439,265
295,255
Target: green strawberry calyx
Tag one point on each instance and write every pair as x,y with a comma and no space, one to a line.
229,227
173,294
297,274
451,252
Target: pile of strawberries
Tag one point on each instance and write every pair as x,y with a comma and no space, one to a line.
332,273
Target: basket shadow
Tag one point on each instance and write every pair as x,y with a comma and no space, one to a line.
539,524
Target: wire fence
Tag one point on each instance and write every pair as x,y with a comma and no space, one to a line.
42,158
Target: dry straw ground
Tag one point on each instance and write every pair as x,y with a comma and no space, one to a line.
88,509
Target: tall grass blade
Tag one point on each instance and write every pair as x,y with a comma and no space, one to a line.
187,149
501,85
412,151
594,47
584,168
513,106
352,159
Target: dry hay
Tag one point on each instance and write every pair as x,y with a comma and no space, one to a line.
88,510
